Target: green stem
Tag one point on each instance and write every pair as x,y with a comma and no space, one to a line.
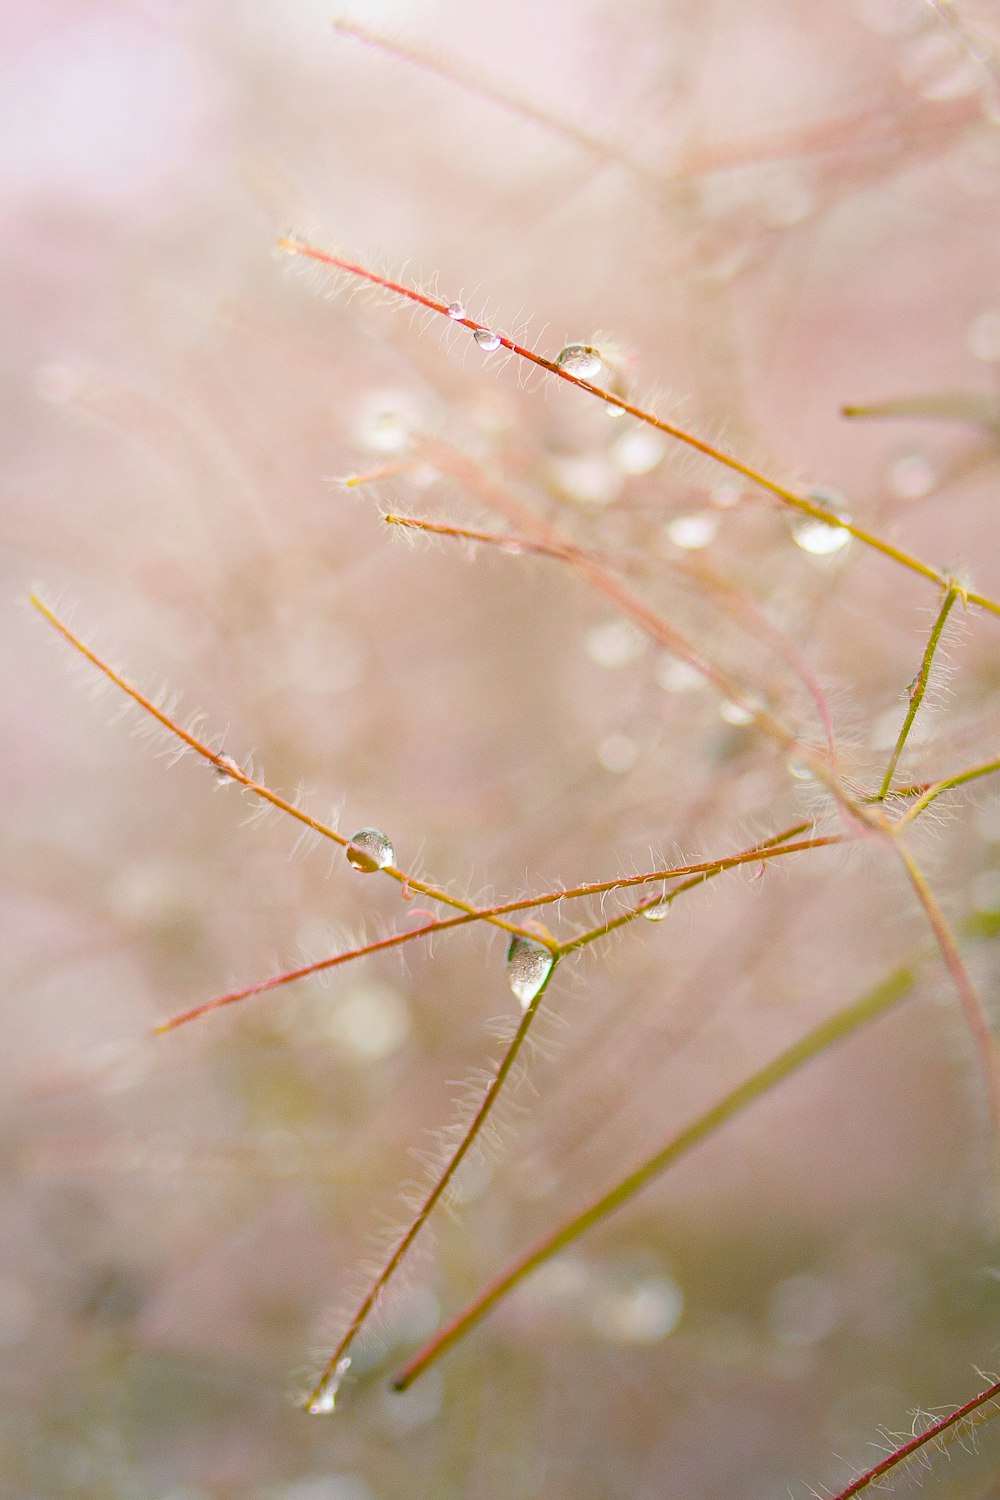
918,690
872,1005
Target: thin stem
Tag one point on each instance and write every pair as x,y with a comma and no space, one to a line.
875,1003
930,794
976,1018
226,766
943,1430
700,445
918,688
315,1398
523,903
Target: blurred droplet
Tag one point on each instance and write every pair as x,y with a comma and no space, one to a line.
736,713
911,476
675,676
580,360
369,850
457,310
587,479
725,494
529,965
615,644
982,337
692,532
638,450
617,753
642,1312
487,339
371,1020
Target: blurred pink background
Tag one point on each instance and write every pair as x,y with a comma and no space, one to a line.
768,212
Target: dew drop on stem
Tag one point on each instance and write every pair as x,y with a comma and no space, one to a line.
456,310
370,850
325,1399
656,912
581,360
529,965
487,339
820,538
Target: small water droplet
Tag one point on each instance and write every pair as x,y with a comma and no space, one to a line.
581,360
586,479
224,767
529,964
820,538
487,339
369,850
692,532
676,676
456,310
656,912
325,1398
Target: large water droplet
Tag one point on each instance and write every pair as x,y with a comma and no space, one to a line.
692,532
325,1398
529,964
657,912
580,360
487,339
456,310
369,850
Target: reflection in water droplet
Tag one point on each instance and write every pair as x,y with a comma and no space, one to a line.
456,310
487,339
529,965
370,850
325,1398
580,360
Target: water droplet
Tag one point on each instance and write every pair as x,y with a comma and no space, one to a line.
820,538
581,360
692,532
456,310
638,1312
224,767
487,339
675,676
617,753
638,450
529,964
982,338
736,713
587,479
370,850
615,644
801,769
656,911
325,1398
725,494
911,476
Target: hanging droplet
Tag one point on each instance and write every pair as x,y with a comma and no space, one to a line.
225,767
456,310
529,964
820,538
325,1399
581,360
656,912
487,339
370,850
